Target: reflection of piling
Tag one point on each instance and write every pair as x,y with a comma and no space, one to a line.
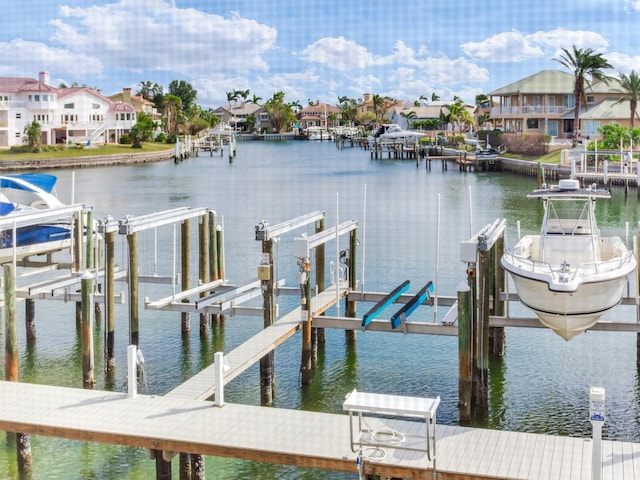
11,360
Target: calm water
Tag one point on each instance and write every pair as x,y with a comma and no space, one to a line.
541,386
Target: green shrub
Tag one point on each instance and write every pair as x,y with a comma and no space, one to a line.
161,138
125,139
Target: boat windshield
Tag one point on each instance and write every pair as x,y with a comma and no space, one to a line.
569,217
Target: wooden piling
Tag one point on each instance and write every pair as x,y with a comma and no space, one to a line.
266,275
220,248
134,319
481,335
11,363
89,254
320,276
30,320
203,266
465,354
109,298
498,307
185,254
305,364
163,468
351,307
11,356
88,380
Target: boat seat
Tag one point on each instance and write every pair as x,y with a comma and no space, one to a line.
573,250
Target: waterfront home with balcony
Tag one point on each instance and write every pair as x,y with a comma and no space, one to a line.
544,103
237,116
77,114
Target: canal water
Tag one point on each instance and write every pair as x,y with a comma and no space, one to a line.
541,385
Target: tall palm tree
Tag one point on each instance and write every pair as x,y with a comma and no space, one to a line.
378,107
630,89
435,97
584,63
483,101
255,99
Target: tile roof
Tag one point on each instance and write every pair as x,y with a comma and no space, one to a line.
552,82
20,84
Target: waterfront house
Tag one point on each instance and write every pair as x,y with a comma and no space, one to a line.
78,114
319,115
407,115
237,115
544,103
139,103
88,117
367,108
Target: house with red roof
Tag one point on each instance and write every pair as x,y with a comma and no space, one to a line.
75,114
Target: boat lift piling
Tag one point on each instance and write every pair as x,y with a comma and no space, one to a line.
185,255
301,249
268,235
486,281
11,368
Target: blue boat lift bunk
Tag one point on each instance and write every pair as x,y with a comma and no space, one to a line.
408,308
384,303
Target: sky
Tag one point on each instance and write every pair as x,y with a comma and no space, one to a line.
311,50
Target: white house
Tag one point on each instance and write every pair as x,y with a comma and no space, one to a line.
77,113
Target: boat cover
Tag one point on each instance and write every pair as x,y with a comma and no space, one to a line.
40,180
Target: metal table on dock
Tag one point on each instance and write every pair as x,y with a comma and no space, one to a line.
378,437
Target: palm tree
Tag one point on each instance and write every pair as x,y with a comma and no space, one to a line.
255,99
630,89
409,118
32,134
458,114
378,107
435,97
583,63
483,101
232,97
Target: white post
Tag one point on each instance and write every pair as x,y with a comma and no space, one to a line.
132,371
596,415
218,394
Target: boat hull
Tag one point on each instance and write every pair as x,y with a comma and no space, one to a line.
569,313
34,240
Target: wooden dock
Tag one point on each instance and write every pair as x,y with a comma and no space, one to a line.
294,437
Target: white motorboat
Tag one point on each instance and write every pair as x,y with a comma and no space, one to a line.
25,193
391,132
317,133
569,275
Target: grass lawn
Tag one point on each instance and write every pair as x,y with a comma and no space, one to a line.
553,157
111,149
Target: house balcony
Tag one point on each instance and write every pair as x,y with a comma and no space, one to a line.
530,111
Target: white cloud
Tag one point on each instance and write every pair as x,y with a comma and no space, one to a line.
503,47
135,34
515,46
34,57
623,62
338,53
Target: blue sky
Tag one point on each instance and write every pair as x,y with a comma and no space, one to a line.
310,50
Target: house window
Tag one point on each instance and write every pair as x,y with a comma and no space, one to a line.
532,124
95,106
36,98
17,134
18,115
590,99
568,101
68,105
30,97
591,127
45,98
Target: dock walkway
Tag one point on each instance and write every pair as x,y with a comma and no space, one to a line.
200,386
294,437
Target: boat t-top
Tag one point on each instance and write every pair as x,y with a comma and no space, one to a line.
569,275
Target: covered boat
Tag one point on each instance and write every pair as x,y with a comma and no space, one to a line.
25,193
569,275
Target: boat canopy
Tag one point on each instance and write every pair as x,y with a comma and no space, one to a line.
26,181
